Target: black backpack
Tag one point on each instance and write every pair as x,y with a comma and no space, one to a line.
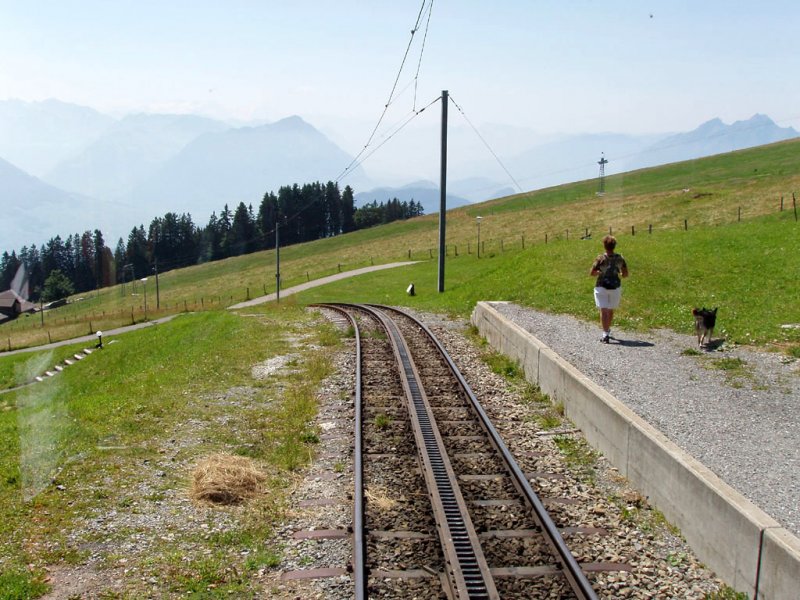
609,278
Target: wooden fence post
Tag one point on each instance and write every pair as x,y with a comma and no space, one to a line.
650,228
523,242
686,225
794,205
633,230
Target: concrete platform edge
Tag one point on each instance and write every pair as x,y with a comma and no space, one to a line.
741,543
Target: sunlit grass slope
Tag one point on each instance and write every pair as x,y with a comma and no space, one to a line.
79,445
733,190
749,269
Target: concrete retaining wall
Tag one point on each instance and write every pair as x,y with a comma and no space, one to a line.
742,544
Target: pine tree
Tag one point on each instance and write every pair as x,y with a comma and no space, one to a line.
120,261
136,253
267,212
348,210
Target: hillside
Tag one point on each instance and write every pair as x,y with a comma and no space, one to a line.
425,192
36,136
240,165
531,242
710,138
34,211
130,152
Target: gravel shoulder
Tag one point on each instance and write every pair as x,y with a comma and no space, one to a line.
735,409
665,566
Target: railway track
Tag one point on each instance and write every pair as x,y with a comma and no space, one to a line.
441,508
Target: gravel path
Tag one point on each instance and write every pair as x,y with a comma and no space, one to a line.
743,423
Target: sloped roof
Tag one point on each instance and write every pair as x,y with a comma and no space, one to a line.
9,297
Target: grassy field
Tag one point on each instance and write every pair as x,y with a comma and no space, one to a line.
748,269
121,431
705,193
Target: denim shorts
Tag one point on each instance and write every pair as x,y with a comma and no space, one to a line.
604,298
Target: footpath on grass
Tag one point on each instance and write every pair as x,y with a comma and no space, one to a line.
317,282
92,338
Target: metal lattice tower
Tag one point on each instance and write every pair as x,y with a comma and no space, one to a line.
602,183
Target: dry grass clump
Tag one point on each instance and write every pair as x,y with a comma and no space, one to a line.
226,479
379,498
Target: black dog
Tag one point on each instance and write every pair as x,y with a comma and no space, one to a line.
704,321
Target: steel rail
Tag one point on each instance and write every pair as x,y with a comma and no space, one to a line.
469,574
359,532
572,571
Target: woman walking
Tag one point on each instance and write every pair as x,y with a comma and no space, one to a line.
608,267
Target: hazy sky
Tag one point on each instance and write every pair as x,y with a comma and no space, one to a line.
576,66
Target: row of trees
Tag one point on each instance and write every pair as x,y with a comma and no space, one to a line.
304,213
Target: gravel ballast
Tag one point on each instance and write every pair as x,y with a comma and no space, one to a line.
742,421
663,565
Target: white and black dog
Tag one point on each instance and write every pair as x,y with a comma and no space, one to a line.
704,321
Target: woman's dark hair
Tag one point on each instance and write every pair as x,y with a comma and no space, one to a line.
609,243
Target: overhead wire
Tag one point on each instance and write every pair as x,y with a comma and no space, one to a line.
388,137
485,143
391,94
422,51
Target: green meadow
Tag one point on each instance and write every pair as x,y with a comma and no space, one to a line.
692,232
749,270
121,431
708,232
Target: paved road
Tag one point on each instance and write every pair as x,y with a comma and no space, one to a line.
316,282
260,300
90,338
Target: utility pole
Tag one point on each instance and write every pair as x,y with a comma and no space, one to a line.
158,297
277,260
443,190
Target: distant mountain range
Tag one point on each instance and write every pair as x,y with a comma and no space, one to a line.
36,136
712,137
34,211
67,168
425,192
240,165
128,153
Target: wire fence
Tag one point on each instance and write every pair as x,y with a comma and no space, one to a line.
72,320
